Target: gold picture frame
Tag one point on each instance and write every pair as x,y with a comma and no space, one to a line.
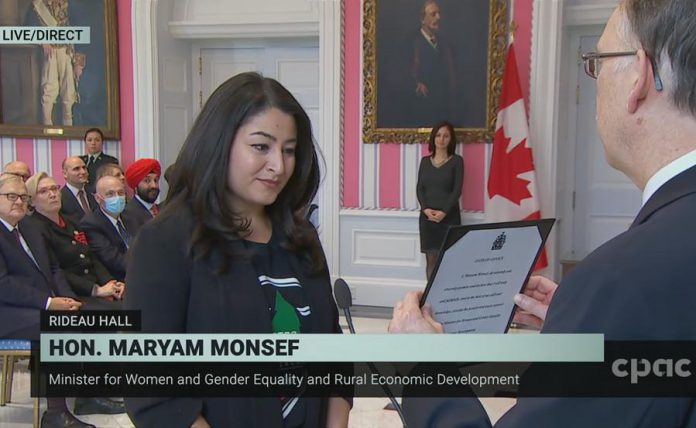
391,32
23,109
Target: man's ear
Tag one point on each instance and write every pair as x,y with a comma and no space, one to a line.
643,77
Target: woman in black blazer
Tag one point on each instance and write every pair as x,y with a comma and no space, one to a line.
231,252
83,271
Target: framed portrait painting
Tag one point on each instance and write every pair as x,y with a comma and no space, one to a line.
425,61
60,90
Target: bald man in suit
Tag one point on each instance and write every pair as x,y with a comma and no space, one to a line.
109,230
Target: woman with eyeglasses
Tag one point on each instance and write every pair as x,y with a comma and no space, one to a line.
83,271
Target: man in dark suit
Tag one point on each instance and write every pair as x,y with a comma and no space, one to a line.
431,68
75,198
639,285
143,177
31,281
94,143
109,231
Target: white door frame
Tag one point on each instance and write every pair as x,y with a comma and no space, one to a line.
547,18
552,24
144,27
145,79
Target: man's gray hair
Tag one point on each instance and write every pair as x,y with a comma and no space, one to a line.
7,178
666,30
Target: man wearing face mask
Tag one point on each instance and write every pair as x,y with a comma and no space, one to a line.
143,177
109,230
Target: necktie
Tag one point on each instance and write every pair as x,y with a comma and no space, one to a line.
83,201
90,161
154,209
26,251
15,233
123,232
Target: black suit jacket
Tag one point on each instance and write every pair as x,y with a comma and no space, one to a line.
24,286
181,293
102,159
70,207
80,265
138,213
105,241
641,285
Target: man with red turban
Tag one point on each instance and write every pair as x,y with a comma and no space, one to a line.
143,177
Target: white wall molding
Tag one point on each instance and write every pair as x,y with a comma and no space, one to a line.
357,212
473,217
380,244
588,14
196,30
242,19
372,291
547,20
329,138
145,79
467,216
385,248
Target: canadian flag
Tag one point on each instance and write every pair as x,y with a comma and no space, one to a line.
512,193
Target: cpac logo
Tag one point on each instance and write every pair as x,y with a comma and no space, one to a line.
641,368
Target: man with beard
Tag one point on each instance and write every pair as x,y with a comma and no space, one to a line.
143,177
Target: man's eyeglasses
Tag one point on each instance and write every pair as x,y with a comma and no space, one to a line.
593,63
13,197
45,190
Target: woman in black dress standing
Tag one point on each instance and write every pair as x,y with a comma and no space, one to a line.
439,188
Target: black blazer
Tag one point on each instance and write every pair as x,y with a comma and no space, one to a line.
80,265
105,241
178,293
102,159
138,214
641,285
70,207
24,286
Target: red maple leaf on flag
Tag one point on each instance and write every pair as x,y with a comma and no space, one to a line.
510,165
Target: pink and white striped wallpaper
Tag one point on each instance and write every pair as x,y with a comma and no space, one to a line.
48,154
377,176
373,176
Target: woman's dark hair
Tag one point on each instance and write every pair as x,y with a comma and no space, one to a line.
199,180
453,138
97,130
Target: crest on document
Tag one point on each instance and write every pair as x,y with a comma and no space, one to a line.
499,242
